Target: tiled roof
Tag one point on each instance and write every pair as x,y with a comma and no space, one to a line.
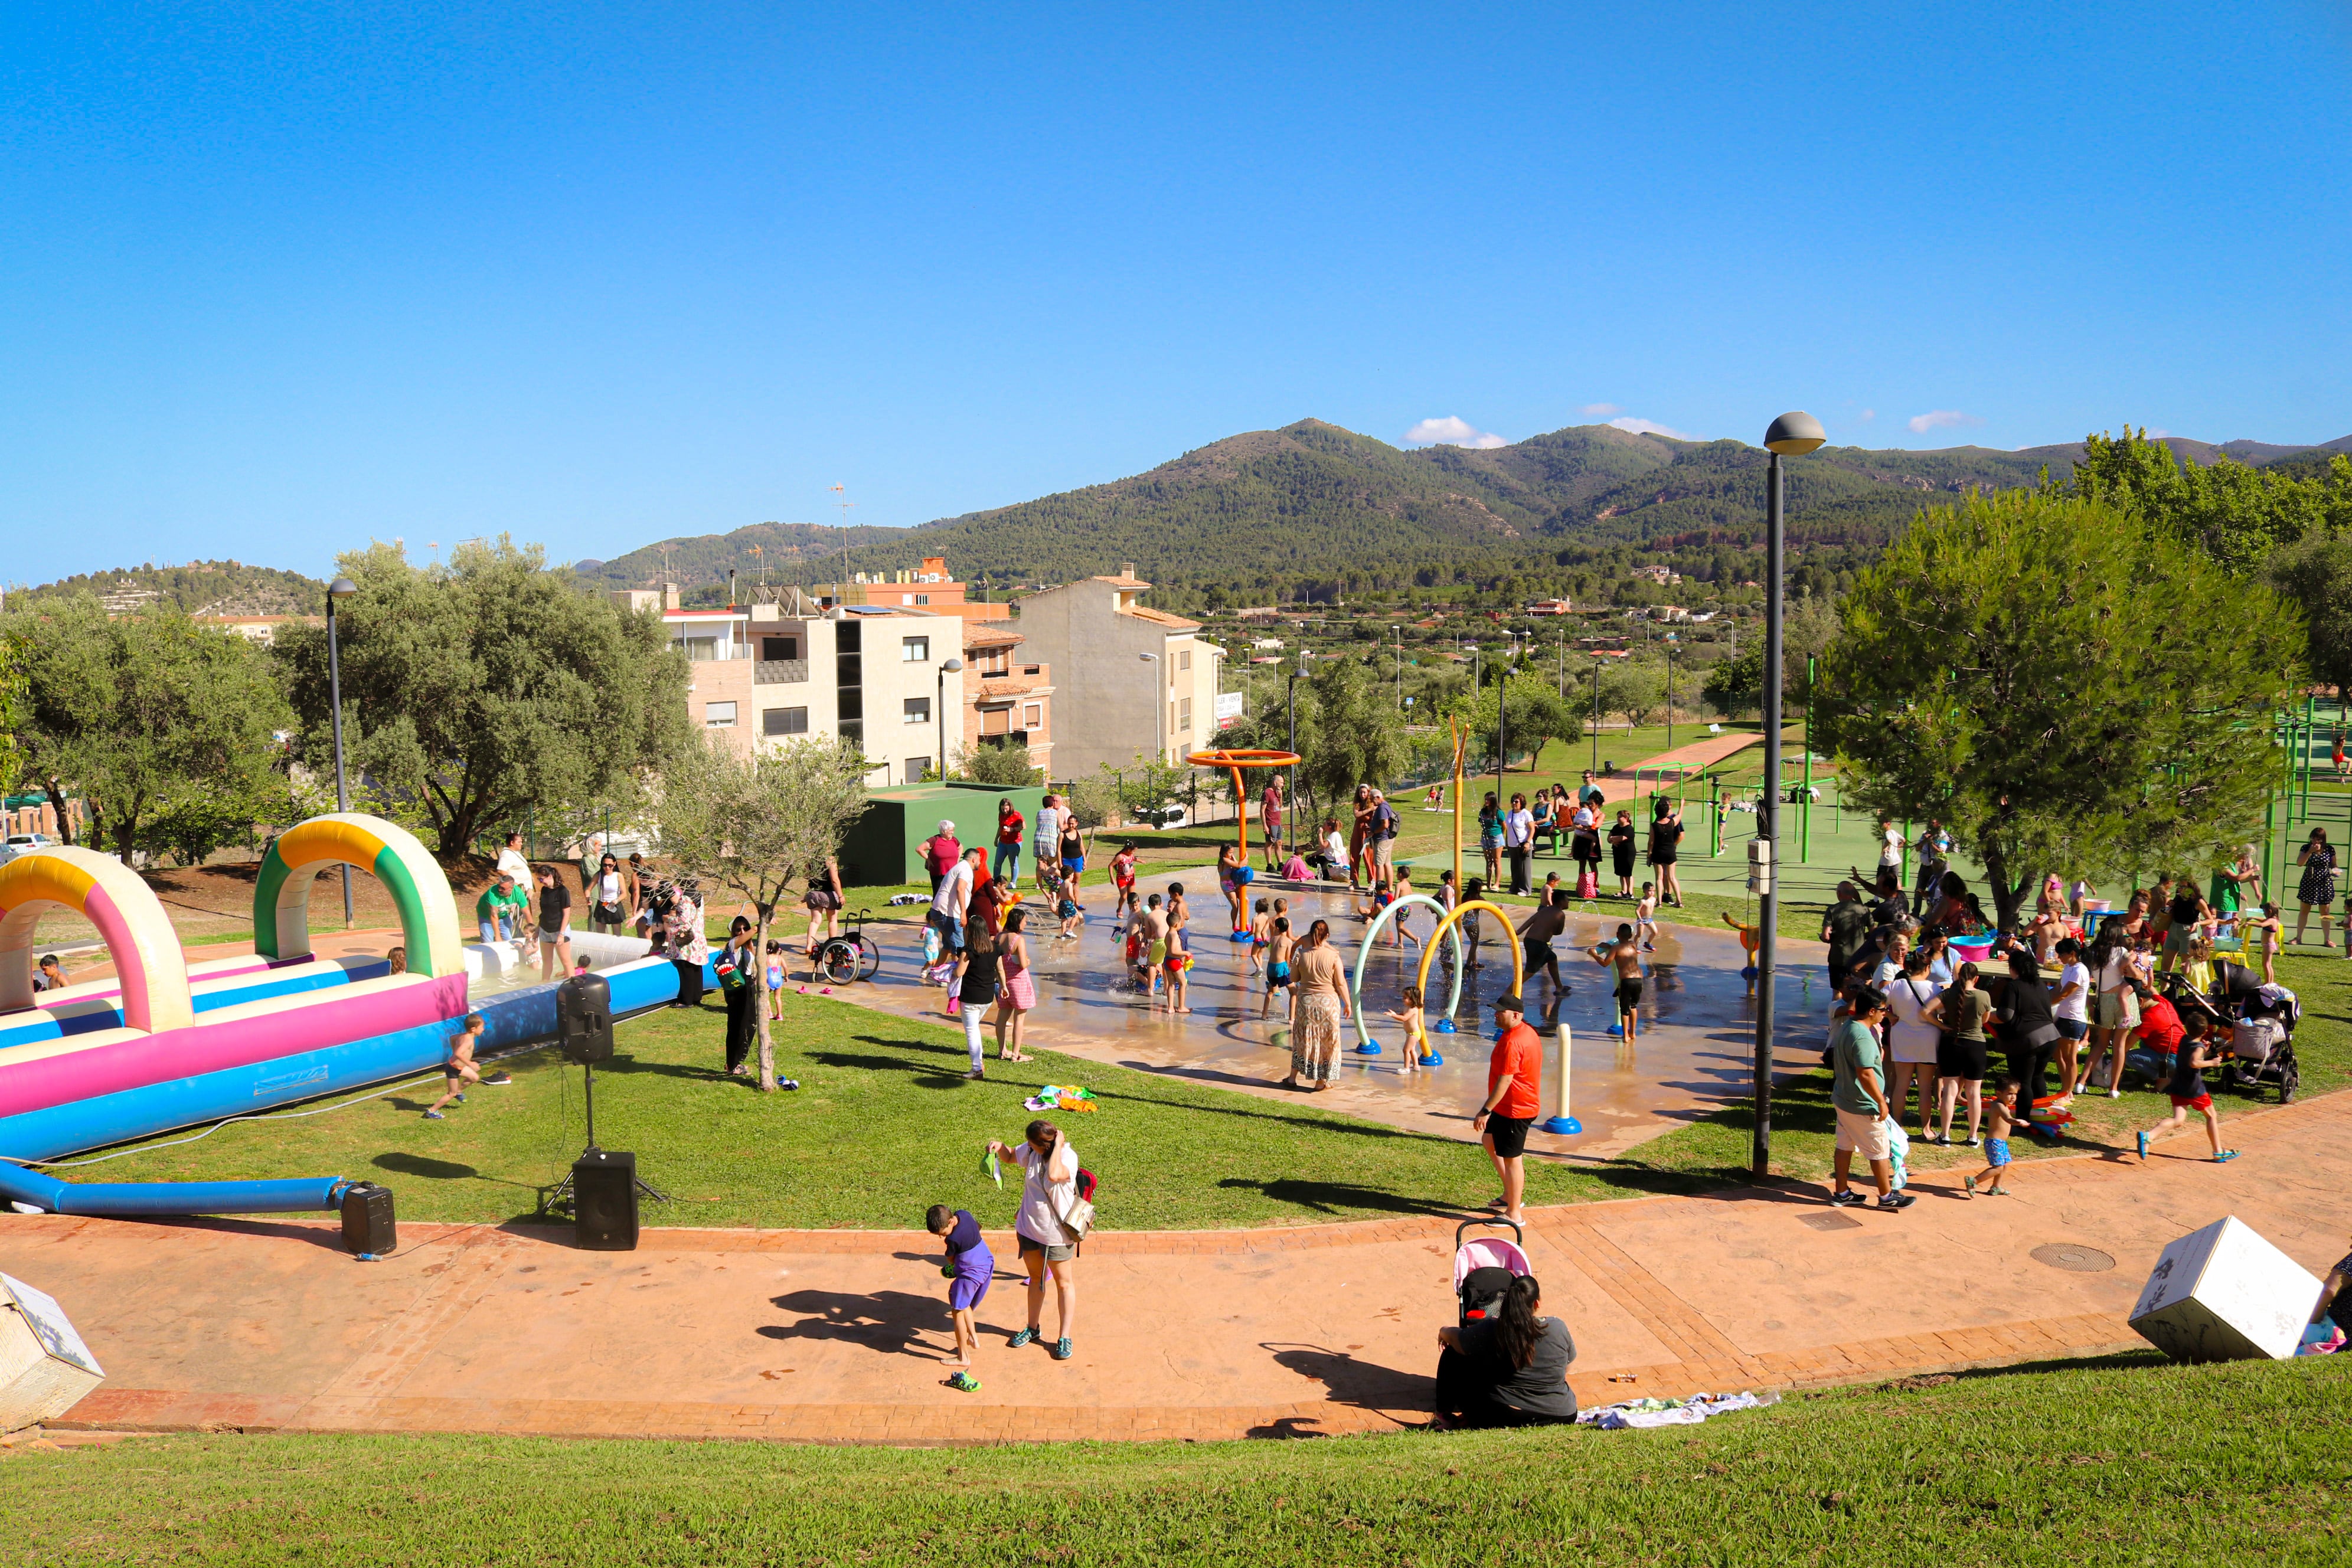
1161,617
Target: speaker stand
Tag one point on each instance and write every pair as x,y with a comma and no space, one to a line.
561,1198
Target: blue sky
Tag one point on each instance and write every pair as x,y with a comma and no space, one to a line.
276,280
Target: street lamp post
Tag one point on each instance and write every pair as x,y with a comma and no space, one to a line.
1791,434
1158,709
340,588
949,665
1290,702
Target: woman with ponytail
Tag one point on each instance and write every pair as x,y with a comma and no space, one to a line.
1510,1370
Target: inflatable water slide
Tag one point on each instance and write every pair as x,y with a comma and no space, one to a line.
164,1044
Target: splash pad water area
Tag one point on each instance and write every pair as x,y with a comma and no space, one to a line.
164,1044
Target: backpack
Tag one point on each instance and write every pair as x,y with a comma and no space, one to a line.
1079,1217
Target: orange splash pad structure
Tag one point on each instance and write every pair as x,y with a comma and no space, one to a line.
1234,763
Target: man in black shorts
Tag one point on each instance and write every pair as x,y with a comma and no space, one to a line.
1548,921
1624,956
1514,1099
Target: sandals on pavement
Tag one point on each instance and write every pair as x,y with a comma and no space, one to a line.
964,1382
1022,1338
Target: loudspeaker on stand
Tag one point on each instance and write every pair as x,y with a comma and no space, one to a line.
605,1201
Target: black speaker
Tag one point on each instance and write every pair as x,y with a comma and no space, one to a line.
368,1228
584,1018
605,1201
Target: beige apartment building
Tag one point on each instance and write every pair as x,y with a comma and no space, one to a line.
762,675
1127,680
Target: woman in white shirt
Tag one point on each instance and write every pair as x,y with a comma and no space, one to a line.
608,897
512,861
1519,841
1911,1038
1049,1191
2070,1009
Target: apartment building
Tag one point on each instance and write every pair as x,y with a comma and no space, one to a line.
762,675
1129,679
1007,694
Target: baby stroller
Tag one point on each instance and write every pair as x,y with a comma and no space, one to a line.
1484,1267
2262,1032
2255,1021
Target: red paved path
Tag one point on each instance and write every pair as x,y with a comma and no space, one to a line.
837,1336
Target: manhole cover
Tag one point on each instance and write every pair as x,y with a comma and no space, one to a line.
2077,1259
1832,1222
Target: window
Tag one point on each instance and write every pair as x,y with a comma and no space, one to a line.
1184,659
996,663
922,598
918,710
1183,715
915,650
699,650
778,650
718,715
1034,716
918,769
784,722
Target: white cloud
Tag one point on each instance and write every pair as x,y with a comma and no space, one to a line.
1868,415
1645,427
1451,432
1600,410
2157,434
1940,419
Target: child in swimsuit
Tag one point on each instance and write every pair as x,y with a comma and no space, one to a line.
1646,918
1073,915
459,1069
1277,966
1261,924
1416,1043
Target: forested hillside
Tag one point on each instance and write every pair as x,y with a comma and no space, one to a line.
1312,510
200,587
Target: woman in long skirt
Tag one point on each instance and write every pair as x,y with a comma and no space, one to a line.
1320,982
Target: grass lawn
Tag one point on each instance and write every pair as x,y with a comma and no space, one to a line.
2118,1461
1171,1154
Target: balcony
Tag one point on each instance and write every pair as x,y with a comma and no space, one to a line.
779,672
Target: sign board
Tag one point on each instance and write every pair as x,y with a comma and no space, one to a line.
1229,708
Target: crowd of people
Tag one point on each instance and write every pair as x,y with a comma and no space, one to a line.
1926,988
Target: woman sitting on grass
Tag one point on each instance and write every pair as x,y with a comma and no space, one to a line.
1509,1371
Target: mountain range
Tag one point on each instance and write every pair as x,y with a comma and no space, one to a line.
1270,510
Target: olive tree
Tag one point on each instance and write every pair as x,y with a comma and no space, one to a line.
2061,689
760,826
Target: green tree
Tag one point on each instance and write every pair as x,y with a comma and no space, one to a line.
2235,515
2317,575
1003,765
1349,731
136,712
2060,689
759,826
1736,685
1534,716
479,691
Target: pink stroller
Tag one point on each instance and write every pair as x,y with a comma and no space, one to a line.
1484,1267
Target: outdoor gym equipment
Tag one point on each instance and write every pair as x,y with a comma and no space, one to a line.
1234,761
1365,1044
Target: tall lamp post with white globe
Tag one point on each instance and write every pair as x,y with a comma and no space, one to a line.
1791,434
341,589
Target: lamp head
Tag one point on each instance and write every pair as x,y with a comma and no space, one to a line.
341,589
1794,433
949,665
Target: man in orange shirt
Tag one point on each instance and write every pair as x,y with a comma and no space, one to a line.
1514,1096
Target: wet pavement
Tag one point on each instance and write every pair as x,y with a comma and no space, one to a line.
1693,1050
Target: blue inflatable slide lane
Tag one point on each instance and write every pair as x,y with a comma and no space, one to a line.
157,1048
